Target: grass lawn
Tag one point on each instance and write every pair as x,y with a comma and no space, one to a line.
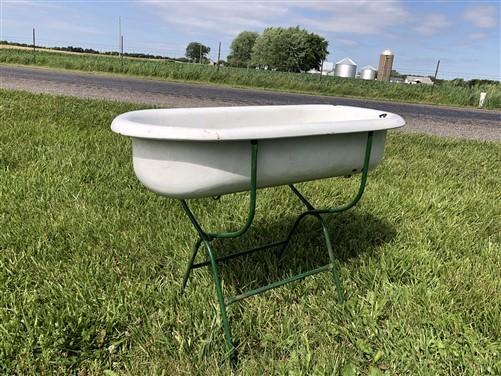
445,92
91,262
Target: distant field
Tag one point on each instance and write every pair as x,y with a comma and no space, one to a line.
445,93
54,51
91,262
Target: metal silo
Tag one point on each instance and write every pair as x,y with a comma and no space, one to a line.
368,73
345,68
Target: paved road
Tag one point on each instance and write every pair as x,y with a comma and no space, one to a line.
437,120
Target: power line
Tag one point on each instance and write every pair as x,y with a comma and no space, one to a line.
444,73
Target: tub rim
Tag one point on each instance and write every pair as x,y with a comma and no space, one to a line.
127,125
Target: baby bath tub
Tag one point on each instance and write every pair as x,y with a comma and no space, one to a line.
190,153
198,152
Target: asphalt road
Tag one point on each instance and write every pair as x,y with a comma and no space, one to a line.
436,120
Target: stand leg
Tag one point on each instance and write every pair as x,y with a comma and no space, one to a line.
190,264
220,298
334,271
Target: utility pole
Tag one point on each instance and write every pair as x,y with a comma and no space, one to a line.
435,77
218,55
122,49
120,41
321,69
119,33
200,58
34,44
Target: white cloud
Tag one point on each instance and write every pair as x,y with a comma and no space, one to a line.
432,24
476,36
65,26
54,16
220,16
347,42
484,16
362,17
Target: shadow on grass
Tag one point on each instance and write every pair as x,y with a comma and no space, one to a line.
352,233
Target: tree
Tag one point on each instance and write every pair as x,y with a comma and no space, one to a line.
241,49
314,51
291,50
267,51
197,52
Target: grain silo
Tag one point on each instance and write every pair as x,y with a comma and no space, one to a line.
345,68
368,73
385,65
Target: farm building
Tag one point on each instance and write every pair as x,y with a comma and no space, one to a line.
327,69
418,80
397,80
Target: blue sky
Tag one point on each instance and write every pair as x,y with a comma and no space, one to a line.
464,35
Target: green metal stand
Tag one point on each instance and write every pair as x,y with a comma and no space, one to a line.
206,238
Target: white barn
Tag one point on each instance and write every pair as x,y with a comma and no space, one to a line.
413,80
327,68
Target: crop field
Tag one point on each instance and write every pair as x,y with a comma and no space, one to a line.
446,93
91,262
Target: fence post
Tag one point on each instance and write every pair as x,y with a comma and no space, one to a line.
218,55
435,77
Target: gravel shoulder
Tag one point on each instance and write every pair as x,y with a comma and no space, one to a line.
436,120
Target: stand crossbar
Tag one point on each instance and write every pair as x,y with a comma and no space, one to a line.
276,284
206,238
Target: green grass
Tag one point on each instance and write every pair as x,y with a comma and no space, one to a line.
91,262
445,93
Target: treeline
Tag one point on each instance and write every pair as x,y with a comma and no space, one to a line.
96,52
460,82
280,49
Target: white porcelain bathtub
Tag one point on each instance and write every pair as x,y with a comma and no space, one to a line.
200,152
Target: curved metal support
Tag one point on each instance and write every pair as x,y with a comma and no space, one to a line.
363,182
208,236
361,188
252,200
